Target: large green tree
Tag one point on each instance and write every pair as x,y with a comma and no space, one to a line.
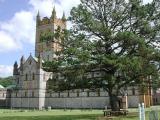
118,38
5,82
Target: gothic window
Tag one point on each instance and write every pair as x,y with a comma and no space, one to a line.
16,94
3,94
26,77
55,27
30,62
17,80
48,57
25,94
33,76
41,33
77,93
87,93
56,47
133,91
47,43
32,94
48,30
98,92
44,76
59,94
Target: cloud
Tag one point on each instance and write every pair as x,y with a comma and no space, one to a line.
2,1
20,29
147,1
6,42
5,70
45,7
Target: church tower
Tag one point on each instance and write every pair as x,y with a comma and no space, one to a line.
46,47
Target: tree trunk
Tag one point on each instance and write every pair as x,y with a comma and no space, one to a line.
114,102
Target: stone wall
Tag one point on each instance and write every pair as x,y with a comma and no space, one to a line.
83,99
24,103
5,98
133,101
68,99
77,102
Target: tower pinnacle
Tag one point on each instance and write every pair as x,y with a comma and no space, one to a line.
38,18
53,13
39,61
64,17
15,68
22,60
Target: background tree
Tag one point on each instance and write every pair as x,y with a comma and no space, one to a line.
117,38
5,82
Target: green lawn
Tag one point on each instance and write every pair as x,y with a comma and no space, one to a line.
50,115
62,115
58,117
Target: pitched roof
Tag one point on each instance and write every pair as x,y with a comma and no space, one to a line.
11,87
1,87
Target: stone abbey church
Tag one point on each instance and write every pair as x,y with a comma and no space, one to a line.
31,80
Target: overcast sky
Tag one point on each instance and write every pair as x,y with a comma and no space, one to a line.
17,27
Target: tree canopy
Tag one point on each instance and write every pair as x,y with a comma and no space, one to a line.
5,82
117,38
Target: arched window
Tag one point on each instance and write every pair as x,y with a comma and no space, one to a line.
88,93
25,94
98,92
33,76
26,77
32,94
17,80
133,91
48,57
77,93
30,62
44,76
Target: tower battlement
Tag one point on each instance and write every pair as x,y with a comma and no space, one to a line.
44,26
52,20
47,21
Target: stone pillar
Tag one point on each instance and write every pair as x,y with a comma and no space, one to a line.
124,102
